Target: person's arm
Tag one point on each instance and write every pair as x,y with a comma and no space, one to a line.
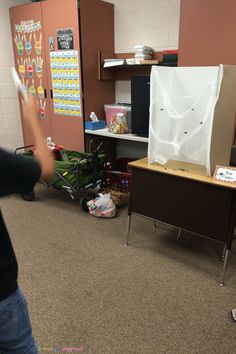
43,155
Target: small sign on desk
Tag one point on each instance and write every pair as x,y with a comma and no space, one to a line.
225,174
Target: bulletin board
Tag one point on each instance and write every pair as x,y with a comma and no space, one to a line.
65,82
29,58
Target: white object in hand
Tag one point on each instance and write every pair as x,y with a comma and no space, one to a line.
49,140
18,82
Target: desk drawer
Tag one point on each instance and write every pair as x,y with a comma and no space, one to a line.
194,206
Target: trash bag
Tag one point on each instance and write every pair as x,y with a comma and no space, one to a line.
102,206
182,105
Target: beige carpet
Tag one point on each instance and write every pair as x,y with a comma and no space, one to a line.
86,288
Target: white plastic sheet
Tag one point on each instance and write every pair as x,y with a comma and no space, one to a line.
182,104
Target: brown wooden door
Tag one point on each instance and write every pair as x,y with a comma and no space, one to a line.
97,35
30,60
66,101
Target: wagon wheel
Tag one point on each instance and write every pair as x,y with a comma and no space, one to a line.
28,197
83,201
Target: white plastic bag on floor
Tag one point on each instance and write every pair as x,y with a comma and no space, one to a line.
102,206
182,104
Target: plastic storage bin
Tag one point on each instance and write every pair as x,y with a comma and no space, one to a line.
112,109
119,175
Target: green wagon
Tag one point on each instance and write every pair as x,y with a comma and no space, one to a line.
80,174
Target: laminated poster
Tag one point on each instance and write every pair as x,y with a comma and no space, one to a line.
65,82
29,60
65,38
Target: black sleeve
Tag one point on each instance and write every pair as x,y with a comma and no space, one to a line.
18,174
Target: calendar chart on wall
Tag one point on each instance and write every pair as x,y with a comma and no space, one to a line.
65,82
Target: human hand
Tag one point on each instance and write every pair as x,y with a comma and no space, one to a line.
30,110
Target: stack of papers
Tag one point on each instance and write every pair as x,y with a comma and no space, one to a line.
130,61
142,52
113,62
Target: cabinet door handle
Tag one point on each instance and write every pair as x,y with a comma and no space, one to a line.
51,94
45,93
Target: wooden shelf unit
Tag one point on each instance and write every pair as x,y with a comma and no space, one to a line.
123,72
128,136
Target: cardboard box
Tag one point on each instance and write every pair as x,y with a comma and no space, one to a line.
223,129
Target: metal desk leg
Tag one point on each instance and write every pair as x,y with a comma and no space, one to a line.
128,229
178,236
224,267
223,253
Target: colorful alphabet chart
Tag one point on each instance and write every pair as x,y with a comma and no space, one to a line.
65,82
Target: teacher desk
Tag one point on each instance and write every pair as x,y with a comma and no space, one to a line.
181,195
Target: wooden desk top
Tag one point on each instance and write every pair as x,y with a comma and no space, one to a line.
181,169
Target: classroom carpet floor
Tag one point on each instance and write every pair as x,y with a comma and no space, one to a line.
89,293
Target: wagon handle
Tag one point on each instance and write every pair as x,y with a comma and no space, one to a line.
95,140
22,147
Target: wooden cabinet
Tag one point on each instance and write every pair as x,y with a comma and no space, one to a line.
35,26
66,130
207,33
30,60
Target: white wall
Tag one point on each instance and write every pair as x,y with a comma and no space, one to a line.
10,122
151,22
